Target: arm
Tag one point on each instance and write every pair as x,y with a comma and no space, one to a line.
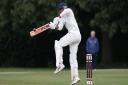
55,22
60,24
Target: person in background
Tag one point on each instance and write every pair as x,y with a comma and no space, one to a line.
92,47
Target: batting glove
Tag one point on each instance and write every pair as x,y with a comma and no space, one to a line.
52,25
56,20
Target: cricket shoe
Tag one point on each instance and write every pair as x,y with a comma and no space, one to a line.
59,68
75,81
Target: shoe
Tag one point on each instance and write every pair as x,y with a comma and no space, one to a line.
58,69
75,81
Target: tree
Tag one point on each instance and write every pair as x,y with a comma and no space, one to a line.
17,18
111,17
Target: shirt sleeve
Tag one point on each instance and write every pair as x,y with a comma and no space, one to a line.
61,24
65,13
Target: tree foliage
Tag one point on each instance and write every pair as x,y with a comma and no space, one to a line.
110,15
17,18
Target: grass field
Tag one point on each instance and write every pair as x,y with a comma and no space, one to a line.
11,76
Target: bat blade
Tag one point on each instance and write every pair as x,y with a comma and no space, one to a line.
39,30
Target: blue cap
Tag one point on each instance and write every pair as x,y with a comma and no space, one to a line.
62,5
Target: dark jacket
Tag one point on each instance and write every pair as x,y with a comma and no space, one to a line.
92,45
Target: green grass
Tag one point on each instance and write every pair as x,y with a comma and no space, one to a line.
11,76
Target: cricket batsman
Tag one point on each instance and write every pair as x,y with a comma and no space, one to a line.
72,38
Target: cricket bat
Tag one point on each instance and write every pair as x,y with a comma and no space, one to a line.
39,30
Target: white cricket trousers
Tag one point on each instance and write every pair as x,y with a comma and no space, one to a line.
72,39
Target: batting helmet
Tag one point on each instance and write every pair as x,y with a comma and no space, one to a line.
62,5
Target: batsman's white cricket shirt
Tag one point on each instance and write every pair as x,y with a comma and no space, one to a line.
67,18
